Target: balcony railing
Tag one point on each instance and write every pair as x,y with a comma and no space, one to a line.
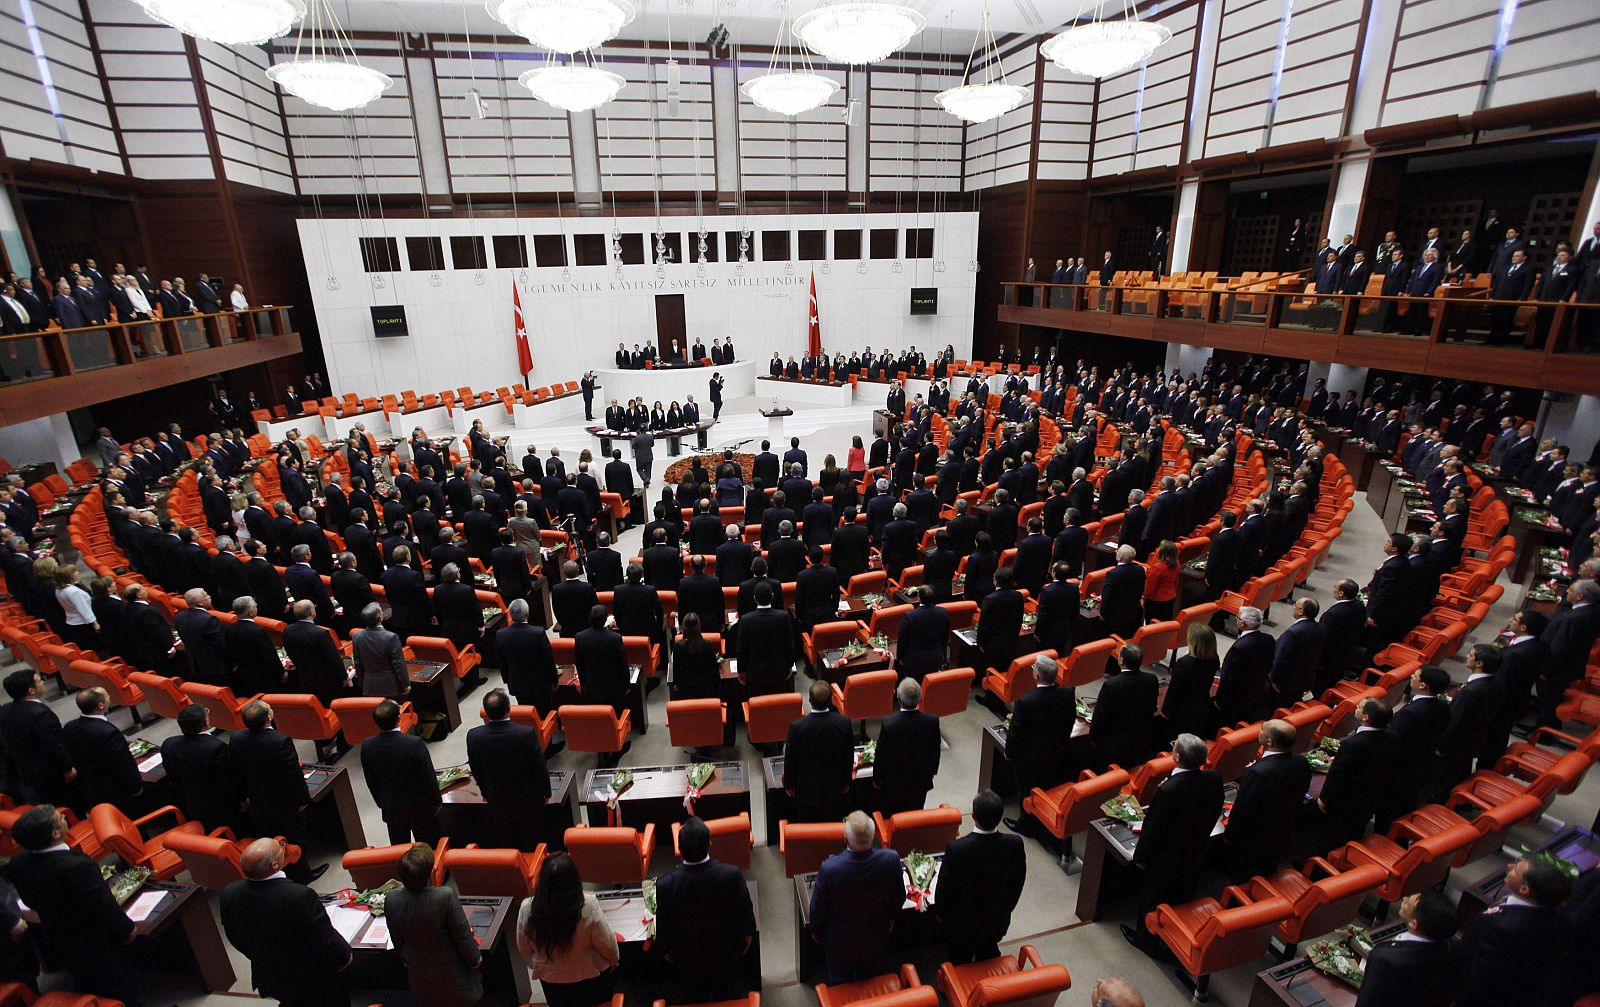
1554,345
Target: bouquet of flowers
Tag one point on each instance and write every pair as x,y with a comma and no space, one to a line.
124,883
921,869
1321,757
139,748
1084,711
451,775
880,643
1124,808
866,755
371,899
700,774
1334,956
1091,603
621,780
851,651
1198,565
1005,725
490,611
1030,620
1544,593
872,599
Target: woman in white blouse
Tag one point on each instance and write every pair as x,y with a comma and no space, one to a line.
570,948
82,629
237,298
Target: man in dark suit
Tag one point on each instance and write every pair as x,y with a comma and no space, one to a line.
1119,731
1297,655
663,564
1121,594
1223,558
508,765
1270,793
571,600
819,758
1420,286
1356,275
203,641
107,773
733,558
816,597
705,922
39,758
296,956
409,605
148,638
1366,758
1418,967
1171,847
1513,282
1501,949
318,667
399,773
1524,659
1472,713
795,456
80,927
257,666
274,783
602,663
1343,625
1418,725
1242,688
201,768
765,466
1570,636
1041,719
527,663
923,642
1388,597
980,882
907,754
766,642
857,895
1000,621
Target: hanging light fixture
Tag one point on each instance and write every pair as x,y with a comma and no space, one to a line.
990,98
325,70
230,22
858,33
575,87
789,86
567,26
1101,46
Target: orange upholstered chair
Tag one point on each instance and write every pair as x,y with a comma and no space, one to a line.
124,836
806,845
748,1000
1068,809
886,621
165,695
373,865
929,830
945,693
110,678
767,718
528,715
302,716
355,717
220,701
1412,868
1234,750
696,723
963,614
1208,936
1324,898
871,582
595,729
1004,980
731,839
611,856
889,990
867,695
1154,640
213,861
80,834
1017,679
826,636
494,873
437,648
1086,663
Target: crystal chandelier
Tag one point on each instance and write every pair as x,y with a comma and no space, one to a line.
230,22
577,87
567,26
325,70
1101,47
990,98
858,33
789,85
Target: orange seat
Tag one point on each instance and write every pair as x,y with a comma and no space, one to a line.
1017,679
867,695
963,614
374,865
1234,750
595,728
611,856
1493,825
767,718
1324,898
509,874
870,582
528,715
886,621
80,834
1004,980
165,695
945,693
731,839
355,717
890,990
213,861
696,723
1068,809
222,704
929,830
1153,639
1086,663
125,837
1208,936
302,716
1412,868
443,651
110,678
826,636
806,845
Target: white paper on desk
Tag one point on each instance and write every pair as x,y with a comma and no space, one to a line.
141,908
151,763
348,921
732,663
377,935
968,636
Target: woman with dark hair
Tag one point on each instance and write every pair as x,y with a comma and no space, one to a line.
569,947
755,502
730,486
430,930
1186,707
829,477
674,415
855,460
980,569
1161,582
658,421
695,662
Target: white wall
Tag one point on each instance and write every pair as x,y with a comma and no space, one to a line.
462,332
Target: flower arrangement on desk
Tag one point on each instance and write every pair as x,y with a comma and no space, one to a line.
371,899
1336,955
1124,808
621,780
1084,711
1321,757
866,755
139,748
649,891
124,883
850,651
490,612
1544,594
873,600
879,643
699,775
451,775
921,870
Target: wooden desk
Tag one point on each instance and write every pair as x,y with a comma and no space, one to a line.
1531,535
861,798
464,817
964,652
994,767
915,930
836,673
657,794
433,690
376,965
1298,983
1358,460
332,814
1380,486
643,970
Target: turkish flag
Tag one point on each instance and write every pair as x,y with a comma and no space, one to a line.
524,354
813,323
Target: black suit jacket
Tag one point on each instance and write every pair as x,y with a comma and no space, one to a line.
1410,974
527,664
209,783
508,764
107,773
819,758
266,587
1242,685
1343,623
399,773
1121,724
1501,951
602,666
32,737
765,649
1041,719
255,657
908,752
1178,822
1270,793
1295,659
980,881
703,915
702,594
80,924
318,668
1000,626
407,597
273,780
1388,600
1365,760
295,953
923,642
1120,597
1472,711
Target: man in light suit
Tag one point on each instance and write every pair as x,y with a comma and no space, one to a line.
854,902
380,664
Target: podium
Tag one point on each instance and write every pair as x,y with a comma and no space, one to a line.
775,417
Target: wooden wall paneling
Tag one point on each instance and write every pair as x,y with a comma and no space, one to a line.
1381,203
1210,224
1001,228
1552,217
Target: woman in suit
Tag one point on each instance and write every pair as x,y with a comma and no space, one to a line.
1161,583
1186,708
695,663
674,416
855,460
980,568
658,417
730,486
430,930
564,936
755,502
828,478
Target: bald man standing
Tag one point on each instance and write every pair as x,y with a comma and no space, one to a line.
296,956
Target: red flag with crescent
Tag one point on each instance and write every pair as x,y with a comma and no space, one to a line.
524,353
814,323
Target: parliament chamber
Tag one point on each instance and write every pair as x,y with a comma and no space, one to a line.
956,506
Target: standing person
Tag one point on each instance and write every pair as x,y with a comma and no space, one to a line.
399,773
1418,967
431,932
1503,949
107,773
527,662
1270,793
563,934
819,759
1472,713
202,772
717,381
1171,848
1161,583
31,734
1366,758
1120,730
508,765
587,386
765,647
1041,719
296,956
643,444
705,922
907,754
854,902
380,663
275,786
980,880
